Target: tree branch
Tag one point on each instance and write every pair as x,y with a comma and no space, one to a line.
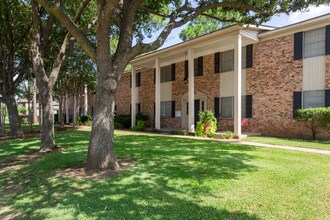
83,41
61,55
187,13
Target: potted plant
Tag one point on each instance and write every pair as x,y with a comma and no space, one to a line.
207,119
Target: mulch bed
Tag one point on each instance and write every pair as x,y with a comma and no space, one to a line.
79,172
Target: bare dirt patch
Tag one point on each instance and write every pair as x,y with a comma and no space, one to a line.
6,213
80,173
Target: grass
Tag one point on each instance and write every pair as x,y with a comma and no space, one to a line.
24,127
171,179
324,145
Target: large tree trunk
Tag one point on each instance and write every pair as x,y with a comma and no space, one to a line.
47,124
101,153
14,124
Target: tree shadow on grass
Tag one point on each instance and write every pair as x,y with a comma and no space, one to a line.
167,181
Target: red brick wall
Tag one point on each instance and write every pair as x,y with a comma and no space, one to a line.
274,77
123,96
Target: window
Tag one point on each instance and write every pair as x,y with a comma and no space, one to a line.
227,107
314,43
227,104
243,104
243,57
138,79
227,61
166,74
198,66
166,109
313,99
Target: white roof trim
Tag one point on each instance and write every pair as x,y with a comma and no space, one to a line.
199,40
296,27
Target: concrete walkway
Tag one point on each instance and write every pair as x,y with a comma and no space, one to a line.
309,150
302,149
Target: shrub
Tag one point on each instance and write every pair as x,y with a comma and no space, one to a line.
314,118
118,125
207,124
22,110
142,117
23,119
228,135
179,132
123,120
85,120
139,126
199,129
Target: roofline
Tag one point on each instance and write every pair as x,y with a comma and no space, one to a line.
202,38
298,25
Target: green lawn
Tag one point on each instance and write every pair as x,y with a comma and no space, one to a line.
171,179
324,145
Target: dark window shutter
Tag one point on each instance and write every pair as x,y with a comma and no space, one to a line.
327,98
138,79
173,109
138,108
298,45
216,107
248,106
130,81
249,56
154,75
173,72
217,62
154,110
297,102
327,40
186,69
200,66
130,109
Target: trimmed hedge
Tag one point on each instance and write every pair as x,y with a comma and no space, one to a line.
314,118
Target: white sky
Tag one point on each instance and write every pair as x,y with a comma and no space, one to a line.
277,21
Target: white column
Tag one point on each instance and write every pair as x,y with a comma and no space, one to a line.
238,86
133,97
191,95
157,95
66,109
85,101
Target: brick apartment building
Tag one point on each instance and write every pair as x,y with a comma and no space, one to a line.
260,73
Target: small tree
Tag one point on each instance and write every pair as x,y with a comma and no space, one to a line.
314,118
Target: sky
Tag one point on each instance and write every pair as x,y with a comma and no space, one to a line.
277,21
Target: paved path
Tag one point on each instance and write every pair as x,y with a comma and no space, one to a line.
308,150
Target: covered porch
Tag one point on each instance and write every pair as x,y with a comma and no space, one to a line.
231,38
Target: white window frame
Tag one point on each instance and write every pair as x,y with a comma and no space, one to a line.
320,43
166,74
166,109
321,104
222,54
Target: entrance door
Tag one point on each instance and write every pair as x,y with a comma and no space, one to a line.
197,109
199,106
